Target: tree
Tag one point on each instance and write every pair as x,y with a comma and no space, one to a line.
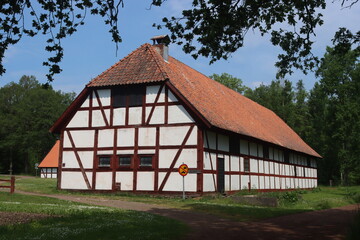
339,74
278,97
56,19
27,111
231,82
219,26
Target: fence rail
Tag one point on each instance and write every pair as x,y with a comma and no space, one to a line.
11,186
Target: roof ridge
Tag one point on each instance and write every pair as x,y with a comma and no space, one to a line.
158,61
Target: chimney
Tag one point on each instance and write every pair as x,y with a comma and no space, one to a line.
161,45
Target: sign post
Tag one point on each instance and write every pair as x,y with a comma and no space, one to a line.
183,171
36,168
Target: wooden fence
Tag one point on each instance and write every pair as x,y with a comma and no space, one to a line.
11,186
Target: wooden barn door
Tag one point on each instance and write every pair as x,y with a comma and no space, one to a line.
220,175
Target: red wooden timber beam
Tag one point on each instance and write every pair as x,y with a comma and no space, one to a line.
155,102
79,160
211,163
101,108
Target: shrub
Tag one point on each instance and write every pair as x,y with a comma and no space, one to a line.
323,204
289,197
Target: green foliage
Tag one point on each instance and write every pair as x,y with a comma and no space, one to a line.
54,19
288,104
221,27
27,111
231,82
339,103
322,204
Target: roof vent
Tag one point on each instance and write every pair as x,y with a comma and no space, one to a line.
161,45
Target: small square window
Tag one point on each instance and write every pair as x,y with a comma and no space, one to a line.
104,161
146,161
124,161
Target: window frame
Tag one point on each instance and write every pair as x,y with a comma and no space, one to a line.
104,156
120,166
146,166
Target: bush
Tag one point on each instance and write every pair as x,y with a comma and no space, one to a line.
323,204
289,197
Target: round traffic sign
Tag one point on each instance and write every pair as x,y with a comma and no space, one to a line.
183,170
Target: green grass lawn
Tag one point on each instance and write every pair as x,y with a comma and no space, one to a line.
319,198
71,220
37,185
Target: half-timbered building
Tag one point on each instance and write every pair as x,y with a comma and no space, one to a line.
49,165
134,124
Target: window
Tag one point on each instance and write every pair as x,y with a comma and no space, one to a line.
130,96
266,152
146,161
104,161
124,161
244,147
234,145
253,149
308,162
286,157
246,164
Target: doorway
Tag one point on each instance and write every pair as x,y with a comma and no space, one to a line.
220,175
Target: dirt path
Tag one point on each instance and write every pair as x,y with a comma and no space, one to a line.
324,224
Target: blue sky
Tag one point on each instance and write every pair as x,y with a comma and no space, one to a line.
90,50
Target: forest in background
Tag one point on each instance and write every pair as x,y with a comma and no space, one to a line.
327,117
27,111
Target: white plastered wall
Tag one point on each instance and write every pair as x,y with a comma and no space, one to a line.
125,179
187,156
178,114
157,116
106,138
147,136
125,137
145,181
98,118
83,138
103,180
135,115
104,97
69,159
119,116
74,180
80,119
151,93
174,182
176,135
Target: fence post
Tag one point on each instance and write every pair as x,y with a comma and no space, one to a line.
12,184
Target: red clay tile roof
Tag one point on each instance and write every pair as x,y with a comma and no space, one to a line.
52,158
141,66
219,105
